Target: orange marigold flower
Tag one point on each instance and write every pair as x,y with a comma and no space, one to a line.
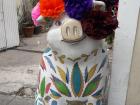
51,8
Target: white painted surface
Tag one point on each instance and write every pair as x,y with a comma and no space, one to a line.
9,36
11,24
2,28
123,49
133,95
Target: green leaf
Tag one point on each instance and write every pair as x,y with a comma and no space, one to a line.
61,87
42,87
92,86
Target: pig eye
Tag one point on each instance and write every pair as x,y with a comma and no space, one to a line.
58,23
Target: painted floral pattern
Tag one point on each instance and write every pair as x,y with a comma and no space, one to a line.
74,82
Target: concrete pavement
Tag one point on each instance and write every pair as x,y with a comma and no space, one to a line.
19,70
15,100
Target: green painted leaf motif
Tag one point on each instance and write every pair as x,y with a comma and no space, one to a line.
42,87
61,86
77,81
92,86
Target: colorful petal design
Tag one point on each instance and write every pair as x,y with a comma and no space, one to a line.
103,63
62,73
42,64
42,87
54,94
61,87
98,94
77,81
91,72
48,87
54,103
67,76
50,63
92,86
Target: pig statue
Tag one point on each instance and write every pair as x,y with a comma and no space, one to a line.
73,69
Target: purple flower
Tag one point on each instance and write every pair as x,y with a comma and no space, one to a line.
78,8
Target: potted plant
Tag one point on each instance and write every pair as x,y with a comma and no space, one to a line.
27,23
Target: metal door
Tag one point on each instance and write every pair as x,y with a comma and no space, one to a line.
2,28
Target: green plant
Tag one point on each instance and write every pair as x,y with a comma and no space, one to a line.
110,39
24,13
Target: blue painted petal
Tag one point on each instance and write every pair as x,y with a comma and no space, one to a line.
50,63
67,76
103,63
77,80
55,93
54,103
98,93
86,74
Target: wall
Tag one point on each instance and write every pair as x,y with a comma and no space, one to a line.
10,23
123,50
133,96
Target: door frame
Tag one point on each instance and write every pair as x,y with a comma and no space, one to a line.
123,51
3,40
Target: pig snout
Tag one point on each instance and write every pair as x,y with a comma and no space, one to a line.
71,31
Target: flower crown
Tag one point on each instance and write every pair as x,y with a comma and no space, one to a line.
96,23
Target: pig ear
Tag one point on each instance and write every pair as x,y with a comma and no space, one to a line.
99,5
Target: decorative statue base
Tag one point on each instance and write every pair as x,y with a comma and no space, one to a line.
72,73
73,70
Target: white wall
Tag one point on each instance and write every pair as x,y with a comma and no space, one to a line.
123,49
133,96
11,23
